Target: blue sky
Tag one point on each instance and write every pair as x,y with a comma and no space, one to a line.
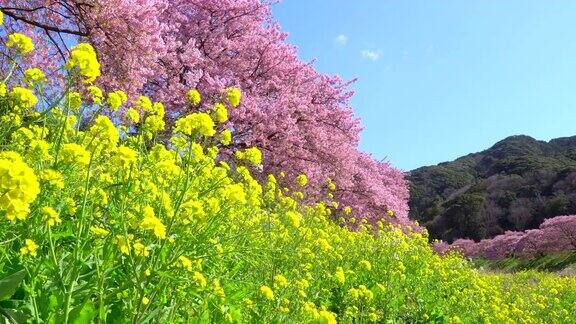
440,79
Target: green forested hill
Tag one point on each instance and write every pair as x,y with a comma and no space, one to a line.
513,185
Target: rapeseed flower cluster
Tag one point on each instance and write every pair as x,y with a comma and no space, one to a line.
103,134
19,186
116,99
83,57
20,42
194,97
196,124
154,120
30,247
252,154
52,217
153,223
267,292
73,101
73,153
220,113
96,94
22,98
226,137
234,95
34,76
302,180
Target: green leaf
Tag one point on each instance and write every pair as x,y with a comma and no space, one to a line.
12,316
83,314
151,315
10,283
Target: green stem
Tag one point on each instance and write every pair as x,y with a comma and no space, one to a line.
74,274
68,301
33,296
53,254
12,67
60,136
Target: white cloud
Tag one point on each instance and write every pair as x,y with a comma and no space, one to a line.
371,55
341,40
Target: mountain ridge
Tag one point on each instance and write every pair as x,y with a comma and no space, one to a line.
513,185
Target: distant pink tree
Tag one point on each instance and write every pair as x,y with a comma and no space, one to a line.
466,246
441,247
561,230
554,235
531,244
501,246
301,119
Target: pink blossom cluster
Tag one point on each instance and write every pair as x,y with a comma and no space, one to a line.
300,118
554,235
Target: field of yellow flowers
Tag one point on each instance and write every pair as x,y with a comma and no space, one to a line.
108,216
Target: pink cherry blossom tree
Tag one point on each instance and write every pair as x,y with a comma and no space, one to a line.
300,118
557,234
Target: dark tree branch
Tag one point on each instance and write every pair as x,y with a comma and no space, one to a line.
43,26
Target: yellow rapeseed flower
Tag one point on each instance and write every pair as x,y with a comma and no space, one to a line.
252,155
158,109
83,57
186,263
302,180
226,137
194,97
133,115
52,178
18,184
103,133
22,98
294,218
97,94
331,185
339,275
34,75
73,101
326,317
75,154
20,42
52,217
144,103
98,231
267,292
153,124
365,264
141,250
124,243
116,99
220,113
199,279
151,222
233,95
29,247
124,157
195,123
280,281
235,193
